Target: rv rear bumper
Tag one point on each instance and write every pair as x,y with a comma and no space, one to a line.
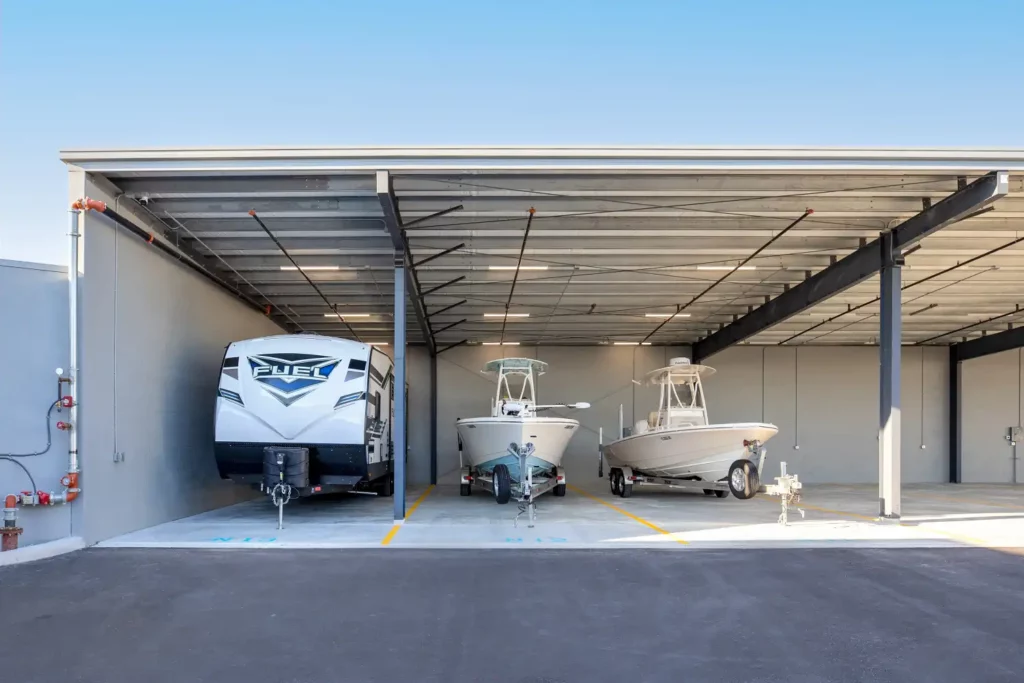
329,464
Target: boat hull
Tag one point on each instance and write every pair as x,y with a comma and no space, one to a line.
703,452
486,440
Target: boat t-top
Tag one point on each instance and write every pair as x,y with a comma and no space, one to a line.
514,451
678,446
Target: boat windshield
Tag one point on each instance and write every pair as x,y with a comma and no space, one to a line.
689,394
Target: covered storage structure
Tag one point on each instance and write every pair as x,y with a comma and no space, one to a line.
842,294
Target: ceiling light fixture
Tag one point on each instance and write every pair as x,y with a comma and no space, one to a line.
307,268
506,315
378,343
346,315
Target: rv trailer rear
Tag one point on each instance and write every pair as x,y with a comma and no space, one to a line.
299,415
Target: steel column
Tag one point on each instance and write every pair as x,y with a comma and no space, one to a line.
394,225
890,351
955,417
398,430
433,419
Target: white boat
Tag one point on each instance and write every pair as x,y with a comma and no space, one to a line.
677,442
513,450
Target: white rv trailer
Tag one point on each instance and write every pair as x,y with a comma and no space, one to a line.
330,398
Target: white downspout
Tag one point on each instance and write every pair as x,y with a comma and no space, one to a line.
76,220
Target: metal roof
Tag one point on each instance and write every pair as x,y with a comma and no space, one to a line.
621,236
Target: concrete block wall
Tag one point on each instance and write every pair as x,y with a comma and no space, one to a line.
33,343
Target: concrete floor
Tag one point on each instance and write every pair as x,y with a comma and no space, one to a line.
818,615
845,516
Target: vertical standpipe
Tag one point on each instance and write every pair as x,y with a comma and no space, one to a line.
75,235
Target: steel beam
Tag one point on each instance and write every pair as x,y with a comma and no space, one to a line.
955,417
398,430
439,254
890,352
393,222
989,344
443,285
450,326
452,346
445,309
857,266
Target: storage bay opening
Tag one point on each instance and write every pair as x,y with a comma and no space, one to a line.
837,292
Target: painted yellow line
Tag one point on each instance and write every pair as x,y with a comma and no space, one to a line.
630,515
391,534
394,529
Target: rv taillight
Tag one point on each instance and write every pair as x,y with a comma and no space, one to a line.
561,477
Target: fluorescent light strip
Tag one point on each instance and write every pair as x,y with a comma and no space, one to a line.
501,343
378,343
346,315
726,268
631,343
666,315
306,268
520,267
506,315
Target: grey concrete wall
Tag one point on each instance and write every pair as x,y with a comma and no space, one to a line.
152,335
992,398
824,400
33,343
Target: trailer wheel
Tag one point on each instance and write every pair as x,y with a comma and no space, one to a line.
743,479
627,489
502,484
708,492
465,489
559,490
720,494
614,482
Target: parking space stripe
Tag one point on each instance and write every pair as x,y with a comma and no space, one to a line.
630,515
394,529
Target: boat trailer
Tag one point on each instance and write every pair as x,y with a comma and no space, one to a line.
743,480
499,483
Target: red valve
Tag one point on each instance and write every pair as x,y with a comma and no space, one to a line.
44,497
67,402
64,426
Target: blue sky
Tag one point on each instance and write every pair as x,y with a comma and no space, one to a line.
122,74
